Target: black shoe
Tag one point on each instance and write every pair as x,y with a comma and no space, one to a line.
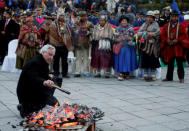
77,75
97,76
19,107
107,76
181,80
164,80
21,110
66,76
147,79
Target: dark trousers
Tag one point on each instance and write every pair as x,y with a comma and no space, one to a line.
187,57
180,68
27,108
61,53
3,51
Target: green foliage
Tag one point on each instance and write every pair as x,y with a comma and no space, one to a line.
182,6
146,7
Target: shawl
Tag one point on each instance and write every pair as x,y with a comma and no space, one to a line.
125,35
61,36
151,45
29,36
102,33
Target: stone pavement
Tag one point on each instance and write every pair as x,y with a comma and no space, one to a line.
131,105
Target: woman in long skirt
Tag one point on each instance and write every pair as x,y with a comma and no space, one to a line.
125,60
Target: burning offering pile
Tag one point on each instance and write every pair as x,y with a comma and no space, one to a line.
60,117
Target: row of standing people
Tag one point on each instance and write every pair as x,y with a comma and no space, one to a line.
105,45
170,44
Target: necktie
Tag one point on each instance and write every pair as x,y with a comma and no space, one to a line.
6,23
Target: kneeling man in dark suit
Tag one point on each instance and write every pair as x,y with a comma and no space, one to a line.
34,88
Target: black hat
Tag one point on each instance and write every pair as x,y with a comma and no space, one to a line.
8,12
82,13
123,17
174,12
47,16
113,13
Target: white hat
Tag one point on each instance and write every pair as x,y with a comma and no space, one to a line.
156,12
187,12
150,13
186,17
167,8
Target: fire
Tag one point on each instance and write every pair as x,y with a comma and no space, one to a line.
69,124
63,116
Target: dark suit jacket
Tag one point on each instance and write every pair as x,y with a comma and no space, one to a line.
12,30
30,89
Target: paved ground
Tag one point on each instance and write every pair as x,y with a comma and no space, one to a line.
131,105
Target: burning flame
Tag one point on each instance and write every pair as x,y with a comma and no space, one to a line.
69,124
62,116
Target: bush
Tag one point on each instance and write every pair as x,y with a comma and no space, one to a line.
182,6
146,7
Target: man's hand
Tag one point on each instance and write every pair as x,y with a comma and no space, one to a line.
3,32
50,76
149,34
170,42
48,83
175,42
119,9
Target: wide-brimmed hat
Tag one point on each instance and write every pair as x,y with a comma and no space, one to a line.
123,17
174,12
30,18
53,13
82,13
167,8
47,17
156,12
38,9
150,13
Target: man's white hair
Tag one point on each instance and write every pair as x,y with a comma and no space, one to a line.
46,47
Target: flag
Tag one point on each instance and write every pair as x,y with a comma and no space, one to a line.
77,1
175,7
135,29
54,5
113,27
92,7
29,5
44,7
72,21
10,2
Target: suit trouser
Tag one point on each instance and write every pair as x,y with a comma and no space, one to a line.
180,68
27,108
187,57
61,53
82,60
3,51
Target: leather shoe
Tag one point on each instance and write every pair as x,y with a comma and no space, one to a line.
147,79
66,76
21,110
107,76
97,76
164,80
181,80
77,75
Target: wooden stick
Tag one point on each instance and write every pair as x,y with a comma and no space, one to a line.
63,90
71,127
